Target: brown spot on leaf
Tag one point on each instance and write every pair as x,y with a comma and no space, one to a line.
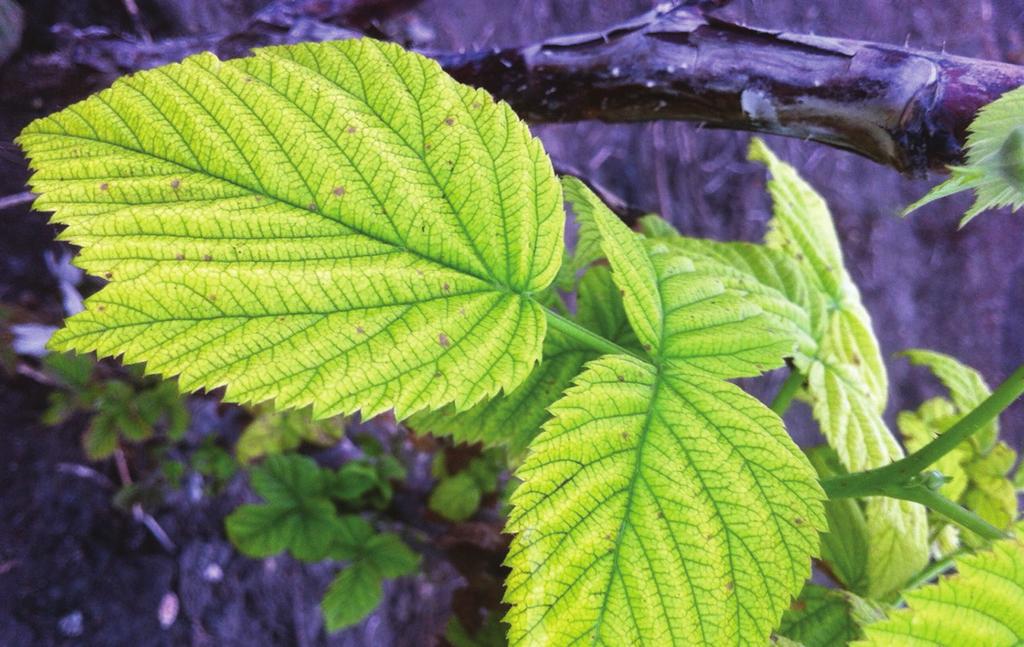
108,275
339,191
730,585
621,379
477,105
175,184
798,521
207,257
104,186
443,340
437,373
312,206
101,308
449,121
360,331
351,130
446,287
179,256
212,297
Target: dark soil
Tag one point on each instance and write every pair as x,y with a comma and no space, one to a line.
76,570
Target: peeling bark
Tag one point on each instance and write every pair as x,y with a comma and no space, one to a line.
904,108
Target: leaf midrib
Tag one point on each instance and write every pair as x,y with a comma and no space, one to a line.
288,203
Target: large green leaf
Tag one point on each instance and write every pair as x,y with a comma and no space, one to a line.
658,507
335,224
661,504
515,418
980,605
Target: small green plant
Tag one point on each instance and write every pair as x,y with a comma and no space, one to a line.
308,512
458,495
122,407
342,226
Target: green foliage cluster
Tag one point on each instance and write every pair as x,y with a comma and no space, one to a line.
458,495
977,472
275,432
302,514
127,407
342,226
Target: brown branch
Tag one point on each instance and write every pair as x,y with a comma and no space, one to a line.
904,108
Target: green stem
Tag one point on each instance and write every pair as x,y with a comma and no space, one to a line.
953,511
586,338
933,570
786,393
871,482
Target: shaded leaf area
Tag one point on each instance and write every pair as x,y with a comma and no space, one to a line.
823,617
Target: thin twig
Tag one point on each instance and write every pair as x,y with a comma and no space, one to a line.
133,13
138,513
85,472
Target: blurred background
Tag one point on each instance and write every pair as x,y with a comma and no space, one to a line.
110,544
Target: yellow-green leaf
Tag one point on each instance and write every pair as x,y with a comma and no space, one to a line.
339,225
980,605
515,418
966,387
659,507
846,379
661,504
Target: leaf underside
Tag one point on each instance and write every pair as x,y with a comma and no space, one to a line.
339,225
